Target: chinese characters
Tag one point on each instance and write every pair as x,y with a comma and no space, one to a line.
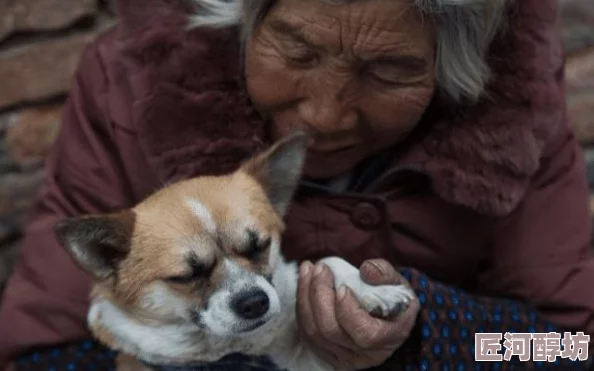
526,346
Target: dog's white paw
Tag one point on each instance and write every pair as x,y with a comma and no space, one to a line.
386,300
380,301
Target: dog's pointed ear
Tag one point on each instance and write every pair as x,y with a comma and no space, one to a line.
97,243
279,169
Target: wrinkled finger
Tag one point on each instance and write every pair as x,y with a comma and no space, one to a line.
323,304
367,332
402,324
307,322
380,272
304,312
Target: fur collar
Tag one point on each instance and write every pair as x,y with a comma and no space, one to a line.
188,93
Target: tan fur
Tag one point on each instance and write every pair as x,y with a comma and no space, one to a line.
204,219
181,276
165,230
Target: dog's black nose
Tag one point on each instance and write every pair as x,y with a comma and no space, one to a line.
251,304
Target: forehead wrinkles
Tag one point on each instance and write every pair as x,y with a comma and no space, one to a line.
363,34
364,29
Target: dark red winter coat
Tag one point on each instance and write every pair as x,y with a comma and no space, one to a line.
490,198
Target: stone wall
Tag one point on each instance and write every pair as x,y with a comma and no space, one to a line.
40,43
41,40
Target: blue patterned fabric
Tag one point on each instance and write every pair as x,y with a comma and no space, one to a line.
443,339
87,355
92,356
234,362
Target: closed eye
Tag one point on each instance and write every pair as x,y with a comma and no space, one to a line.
198,272
300,56
294,46
398,71
183,279
255,246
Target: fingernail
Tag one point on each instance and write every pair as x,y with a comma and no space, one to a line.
319,269
342,291
380,269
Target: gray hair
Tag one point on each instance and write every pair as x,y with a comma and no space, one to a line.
464,31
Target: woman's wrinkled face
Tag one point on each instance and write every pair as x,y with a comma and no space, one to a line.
358,76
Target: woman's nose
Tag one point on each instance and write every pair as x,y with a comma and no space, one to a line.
326,110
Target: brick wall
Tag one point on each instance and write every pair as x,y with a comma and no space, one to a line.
41,40
40,43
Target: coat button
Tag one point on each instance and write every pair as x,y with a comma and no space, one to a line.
366,215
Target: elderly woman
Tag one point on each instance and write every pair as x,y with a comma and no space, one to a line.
441,157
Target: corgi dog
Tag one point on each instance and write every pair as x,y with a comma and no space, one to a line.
195,271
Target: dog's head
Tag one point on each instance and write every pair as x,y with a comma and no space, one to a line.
198,255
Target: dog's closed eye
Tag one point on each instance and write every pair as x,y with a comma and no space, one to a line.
182,279
198,271
255,245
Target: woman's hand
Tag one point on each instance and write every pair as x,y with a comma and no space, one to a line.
339,330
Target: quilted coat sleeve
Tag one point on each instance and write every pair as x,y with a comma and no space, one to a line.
539,281
543,251
48,306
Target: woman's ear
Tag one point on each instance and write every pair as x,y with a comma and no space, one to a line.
97,243
279,169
